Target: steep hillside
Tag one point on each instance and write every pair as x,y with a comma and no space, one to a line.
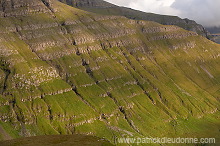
103,7
67,71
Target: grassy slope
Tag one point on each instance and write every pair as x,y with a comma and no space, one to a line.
60,140
168,88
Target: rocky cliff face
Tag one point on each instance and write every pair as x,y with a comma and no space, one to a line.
65,71
103,7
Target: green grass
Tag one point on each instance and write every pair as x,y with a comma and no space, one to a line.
129,85
57,140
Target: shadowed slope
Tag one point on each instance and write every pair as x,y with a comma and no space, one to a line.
55,140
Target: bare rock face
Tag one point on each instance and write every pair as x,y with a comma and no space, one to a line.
11,8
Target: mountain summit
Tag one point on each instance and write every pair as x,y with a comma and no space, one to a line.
68,71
